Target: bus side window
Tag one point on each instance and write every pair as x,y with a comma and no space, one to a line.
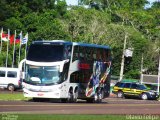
67,52
94,54
65,71
75,53
81,53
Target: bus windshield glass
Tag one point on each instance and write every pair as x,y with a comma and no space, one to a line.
40,75
45,52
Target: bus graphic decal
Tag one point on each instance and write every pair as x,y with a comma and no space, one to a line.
98,77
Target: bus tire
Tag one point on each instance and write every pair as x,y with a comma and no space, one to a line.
100,95
70,97
97,98
94,99
75,97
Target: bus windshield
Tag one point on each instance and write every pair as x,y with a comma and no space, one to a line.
40,75
45,52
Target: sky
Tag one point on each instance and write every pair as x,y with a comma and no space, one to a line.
72,2
75,2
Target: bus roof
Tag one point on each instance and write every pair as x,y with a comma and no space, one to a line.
51,41
68,42
91,45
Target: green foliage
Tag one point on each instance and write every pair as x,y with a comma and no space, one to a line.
133,74
52,19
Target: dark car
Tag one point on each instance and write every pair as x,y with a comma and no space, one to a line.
132,89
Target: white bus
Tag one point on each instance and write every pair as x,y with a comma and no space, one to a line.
67,71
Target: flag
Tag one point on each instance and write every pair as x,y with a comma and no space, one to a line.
4,37
11,39
25,39
17,39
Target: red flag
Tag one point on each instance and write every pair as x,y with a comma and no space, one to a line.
12,39
17,40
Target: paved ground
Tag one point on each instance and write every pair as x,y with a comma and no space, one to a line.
111,105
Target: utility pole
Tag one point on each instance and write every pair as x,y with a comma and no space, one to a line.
141,79
122,62
158,74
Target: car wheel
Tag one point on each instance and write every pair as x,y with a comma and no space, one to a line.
120,94
144,96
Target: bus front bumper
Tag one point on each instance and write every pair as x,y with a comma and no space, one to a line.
41,94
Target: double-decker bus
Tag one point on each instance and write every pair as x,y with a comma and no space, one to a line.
67,71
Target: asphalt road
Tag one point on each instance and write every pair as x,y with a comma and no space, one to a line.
111,105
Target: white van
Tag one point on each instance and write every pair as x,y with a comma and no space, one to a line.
10,78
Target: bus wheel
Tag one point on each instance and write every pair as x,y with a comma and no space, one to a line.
75,96
70,96
97,98
100,96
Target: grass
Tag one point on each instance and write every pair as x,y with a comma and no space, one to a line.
14,116
61,117
12,96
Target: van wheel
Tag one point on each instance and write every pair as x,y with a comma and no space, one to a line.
11,87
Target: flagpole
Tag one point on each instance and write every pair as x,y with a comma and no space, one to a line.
14,49
1,40
19,58
26,46
7,47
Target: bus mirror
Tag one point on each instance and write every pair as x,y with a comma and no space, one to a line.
35,79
